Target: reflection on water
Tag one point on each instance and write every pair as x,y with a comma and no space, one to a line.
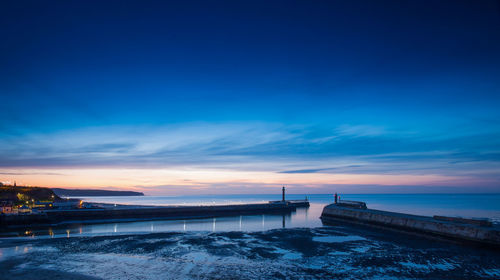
299,218
478,205
5,253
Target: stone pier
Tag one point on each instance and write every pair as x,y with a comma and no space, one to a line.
457,229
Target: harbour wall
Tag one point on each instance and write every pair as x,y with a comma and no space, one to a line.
52,217
422,225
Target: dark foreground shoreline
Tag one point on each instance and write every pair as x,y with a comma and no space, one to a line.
335,252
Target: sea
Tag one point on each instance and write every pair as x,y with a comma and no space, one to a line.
292,246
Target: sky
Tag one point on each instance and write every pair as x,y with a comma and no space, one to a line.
213,97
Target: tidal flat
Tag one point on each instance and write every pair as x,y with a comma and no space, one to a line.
336,252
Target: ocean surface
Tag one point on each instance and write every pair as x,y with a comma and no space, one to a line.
463,205
294,246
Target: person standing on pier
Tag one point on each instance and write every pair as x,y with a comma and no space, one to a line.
336,198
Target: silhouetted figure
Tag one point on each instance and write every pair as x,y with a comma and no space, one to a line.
283,193
336,197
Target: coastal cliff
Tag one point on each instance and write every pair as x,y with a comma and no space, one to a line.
83,192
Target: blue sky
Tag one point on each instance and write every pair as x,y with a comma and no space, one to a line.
355,92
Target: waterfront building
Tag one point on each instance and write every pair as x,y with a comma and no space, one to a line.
6,207
67,204
42,205
24,210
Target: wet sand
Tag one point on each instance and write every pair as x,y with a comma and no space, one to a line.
336,252
10,270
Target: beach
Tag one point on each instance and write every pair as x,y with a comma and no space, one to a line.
335,252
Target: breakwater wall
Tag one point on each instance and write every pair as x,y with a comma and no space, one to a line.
36,219
145,213
450,228
296,203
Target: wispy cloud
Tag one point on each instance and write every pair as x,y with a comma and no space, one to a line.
31,173
360,130
257,147
342,169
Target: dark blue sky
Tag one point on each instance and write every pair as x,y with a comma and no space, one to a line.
395,83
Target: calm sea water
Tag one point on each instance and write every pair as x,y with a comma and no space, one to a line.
463,205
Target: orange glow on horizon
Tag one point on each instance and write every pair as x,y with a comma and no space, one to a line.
148,179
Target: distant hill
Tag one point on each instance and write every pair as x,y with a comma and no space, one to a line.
21,194
80,192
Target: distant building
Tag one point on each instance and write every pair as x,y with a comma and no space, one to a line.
24,210
68,204
42,205
6,207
